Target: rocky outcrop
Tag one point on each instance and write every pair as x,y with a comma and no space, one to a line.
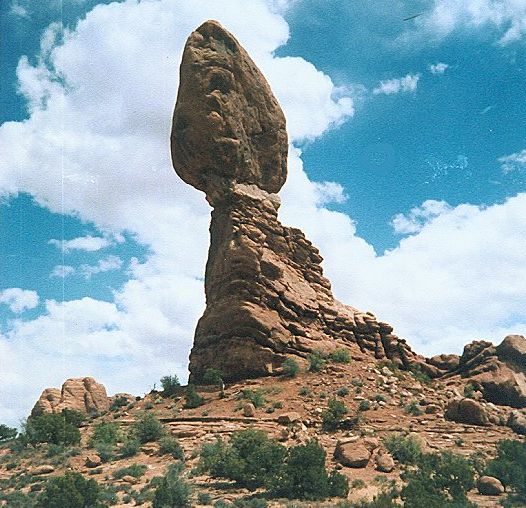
499,372
466,411
266,296
80,394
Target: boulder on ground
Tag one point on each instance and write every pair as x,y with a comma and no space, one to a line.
385,463
290,417
466,411
490,486
352,454
249,410
517,422
43,469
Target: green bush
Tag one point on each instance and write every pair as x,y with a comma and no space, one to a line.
135,470
118,402
212,377
108,433
253,460
469,391
170,385
170,446
290,367
204,498
172,491
304,391
405,449
71,490
105,451
7,433
413,408
419,374
250,459
252,502
364,405
257,397
342,392
192,398
509,466
74,417
317,361
148,428
340,356
129,448
333,415
51,428
438,480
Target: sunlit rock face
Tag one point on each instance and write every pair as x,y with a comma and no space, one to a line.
266,294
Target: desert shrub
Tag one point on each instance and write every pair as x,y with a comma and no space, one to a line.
129,448
170,385
342,392
7,433
192,398
469,391
304,391
252,502
317,361
135,470
304,476
290,367
257,397
212,377
108,433
438,480
51,428
73,417
380,398
405,449
509,466
333,415
148,428
170,446
413,408
71,490
204,498
419,374
364,405
118,402
172,491
105,451
250,458
340,356
383,500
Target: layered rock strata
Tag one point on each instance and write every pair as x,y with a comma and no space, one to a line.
81,394
266,296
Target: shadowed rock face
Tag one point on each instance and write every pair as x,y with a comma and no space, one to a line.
265,290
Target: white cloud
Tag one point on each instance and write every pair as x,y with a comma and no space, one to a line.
18,300
506,18
62,271
407,83
513,162
107,264
438,68
18,10
86,243
419,217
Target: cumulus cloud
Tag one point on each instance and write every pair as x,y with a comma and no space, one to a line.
513,162
18,300
85,243
506,18
419,217
407,83
438,68
107,264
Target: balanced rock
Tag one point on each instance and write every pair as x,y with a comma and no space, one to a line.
266,296
80,394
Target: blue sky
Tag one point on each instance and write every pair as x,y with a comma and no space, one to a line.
407,169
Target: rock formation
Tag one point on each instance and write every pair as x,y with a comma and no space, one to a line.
81,394
266,294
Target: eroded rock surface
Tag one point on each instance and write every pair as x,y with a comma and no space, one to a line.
81,394
265,290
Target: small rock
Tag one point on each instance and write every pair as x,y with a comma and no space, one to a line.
354,455
93,461
490,486
249,410
44,469
385,463
433,409
129,479
287,418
